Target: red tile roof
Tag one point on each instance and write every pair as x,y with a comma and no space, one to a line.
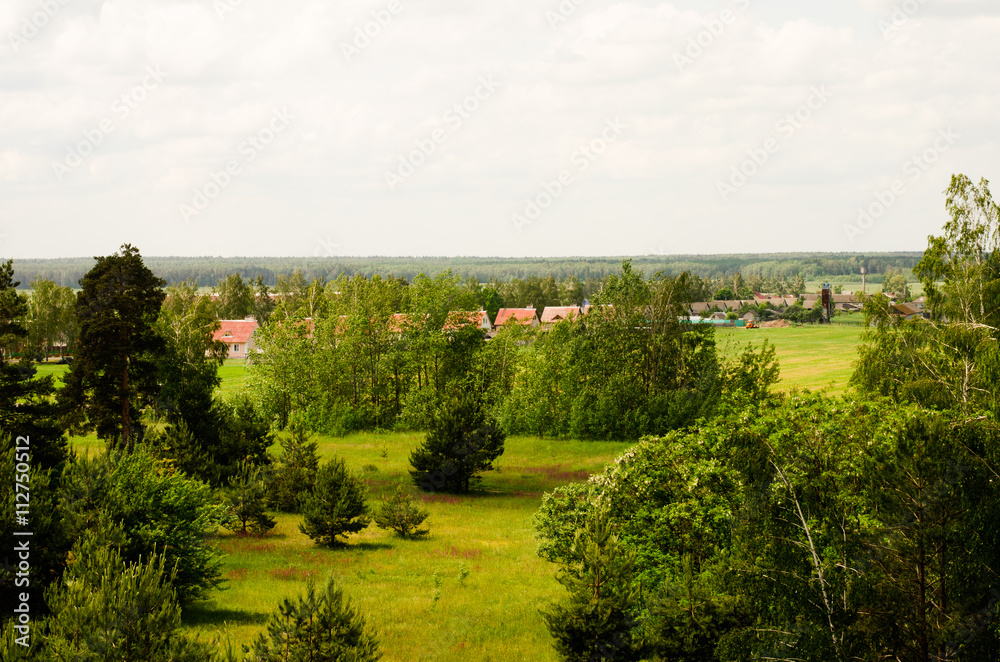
553,314
523,316
459,318
235,331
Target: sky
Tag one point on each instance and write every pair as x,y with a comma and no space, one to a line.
514,128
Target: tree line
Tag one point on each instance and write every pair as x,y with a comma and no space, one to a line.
208,271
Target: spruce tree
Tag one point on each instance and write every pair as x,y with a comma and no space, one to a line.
26,407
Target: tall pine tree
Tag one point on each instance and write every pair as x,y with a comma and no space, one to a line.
114,374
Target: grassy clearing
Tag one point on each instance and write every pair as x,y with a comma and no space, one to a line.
233,375
810,356
492,615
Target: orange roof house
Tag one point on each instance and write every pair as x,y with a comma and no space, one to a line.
516,317
553,314
458,319
238,335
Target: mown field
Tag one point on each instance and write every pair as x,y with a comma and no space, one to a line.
810,356
412,592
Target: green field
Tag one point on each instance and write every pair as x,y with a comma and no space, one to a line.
493,614
810,356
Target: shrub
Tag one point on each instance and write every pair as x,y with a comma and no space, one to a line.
400,515
159,511
320,626
111,609
295,471
336,507
461,444
244,503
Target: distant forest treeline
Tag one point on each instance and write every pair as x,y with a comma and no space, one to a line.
208,271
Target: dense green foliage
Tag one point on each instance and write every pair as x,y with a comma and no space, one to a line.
115,610
209,271
951,360
320,626
462,443
158,510
598,622
337,505
795,530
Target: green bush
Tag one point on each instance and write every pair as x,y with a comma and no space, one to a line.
399,514
336,507
159,510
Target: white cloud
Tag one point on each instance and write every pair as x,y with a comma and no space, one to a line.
224,76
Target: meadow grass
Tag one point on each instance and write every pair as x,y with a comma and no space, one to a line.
810,356
491,615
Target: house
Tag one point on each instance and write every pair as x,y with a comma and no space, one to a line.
718,316
907,311
458,319
516,317
238,336
751,317
700,307
553,314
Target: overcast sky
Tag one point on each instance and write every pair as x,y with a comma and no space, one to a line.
514,128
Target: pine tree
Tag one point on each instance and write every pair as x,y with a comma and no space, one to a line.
318,627
336,506
461,444
295,471
598,621
400,515
114,373
110,609
244,503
